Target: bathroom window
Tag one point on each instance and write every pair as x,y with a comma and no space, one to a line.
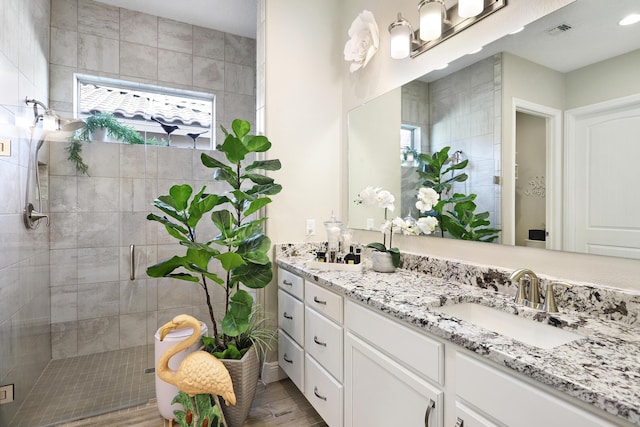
164,116
409,144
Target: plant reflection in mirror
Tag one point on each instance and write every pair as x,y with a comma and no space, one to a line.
455,211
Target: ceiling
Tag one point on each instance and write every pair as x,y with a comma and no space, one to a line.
593,37
231,16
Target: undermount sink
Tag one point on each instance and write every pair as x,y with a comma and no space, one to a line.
525,330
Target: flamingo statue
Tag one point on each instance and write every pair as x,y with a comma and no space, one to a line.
200,372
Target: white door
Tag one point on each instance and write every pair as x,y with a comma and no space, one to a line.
603,148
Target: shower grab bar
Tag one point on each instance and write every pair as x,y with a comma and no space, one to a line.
132,262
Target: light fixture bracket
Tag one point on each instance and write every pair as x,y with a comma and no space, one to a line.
454,25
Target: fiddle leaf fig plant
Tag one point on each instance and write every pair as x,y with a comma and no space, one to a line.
240,248
455,212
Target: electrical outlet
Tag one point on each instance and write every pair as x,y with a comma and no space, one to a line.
5,147
370,224
311,227
6,394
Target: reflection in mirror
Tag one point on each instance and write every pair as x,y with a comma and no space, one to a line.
566,64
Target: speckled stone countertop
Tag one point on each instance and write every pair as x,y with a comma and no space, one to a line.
602,369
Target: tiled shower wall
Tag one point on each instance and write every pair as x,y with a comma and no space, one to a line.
465,114
94,38
24,254
95,219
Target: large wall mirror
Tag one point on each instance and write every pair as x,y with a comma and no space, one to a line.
548,120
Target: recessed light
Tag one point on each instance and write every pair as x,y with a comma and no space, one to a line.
517,30
630,19
475,51
442,67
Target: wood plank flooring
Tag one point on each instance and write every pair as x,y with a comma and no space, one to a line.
278,404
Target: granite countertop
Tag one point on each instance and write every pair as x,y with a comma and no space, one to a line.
602,369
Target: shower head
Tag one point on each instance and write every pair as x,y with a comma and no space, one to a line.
69,125
51,121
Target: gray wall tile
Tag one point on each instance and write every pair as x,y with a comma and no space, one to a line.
175,67
175,36
138,27
208,43
98,53
98,19
64,47
64,14
138,61
208,73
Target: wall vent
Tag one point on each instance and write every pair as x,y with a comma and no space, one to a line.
562,28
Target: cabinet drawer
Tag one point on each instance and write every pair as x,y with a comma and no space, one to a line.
426,356
324,392
323,340
323,301
291,316
291,283
470,418
291,359
511,400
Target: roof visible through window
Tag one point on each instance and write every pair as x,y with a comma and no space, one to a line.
177,117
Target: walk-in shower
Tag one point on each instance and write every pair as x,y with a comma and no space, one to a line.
51,122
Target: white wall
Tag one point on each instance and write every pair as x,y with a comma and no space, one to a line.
309,92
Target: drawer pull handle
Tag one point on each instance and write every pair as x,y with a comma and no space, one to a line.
286,316
459,422
287,359
315,391
430,407
286,282
317,301
315,340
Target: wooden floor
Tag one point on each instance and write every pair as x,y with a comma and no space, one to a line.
276,404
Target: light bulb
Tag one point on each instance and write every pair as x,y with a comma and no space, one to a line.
470,8
430,20
401,35
400,42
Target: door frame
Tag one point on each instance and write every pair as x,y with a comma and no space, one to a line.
553,170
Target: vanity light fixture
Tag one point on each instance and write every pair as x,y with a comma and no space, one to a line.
630,19
437,23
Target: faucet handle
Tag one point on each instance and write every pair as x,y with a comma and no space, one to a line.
549,305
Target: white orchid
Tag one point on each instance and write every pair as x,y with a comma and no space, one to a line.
427,198
427,224
376,197
364,40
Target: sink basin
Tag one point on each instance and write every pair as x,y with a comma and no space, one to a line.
525,330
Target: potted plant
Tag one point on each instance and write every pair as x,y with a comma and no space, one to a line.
240,249
95,123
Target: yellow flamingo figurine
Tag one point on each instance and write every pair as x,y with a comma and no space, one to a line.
199,372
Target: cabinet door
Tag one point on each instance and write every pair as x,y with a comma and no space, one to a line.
291,316
380,392
514,402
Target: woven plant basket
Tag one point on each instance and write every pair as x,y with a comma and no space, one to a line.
244,375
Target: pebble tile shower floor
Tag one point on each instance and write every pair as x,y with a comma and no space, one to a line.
81,386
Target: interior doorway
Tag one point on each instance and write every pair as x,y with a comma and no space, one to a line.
536,199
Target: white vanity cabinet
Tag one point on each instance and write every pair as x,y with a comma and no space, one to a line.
390,371
510,401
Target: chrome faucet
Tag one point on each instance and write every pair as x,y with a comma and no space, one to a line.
531,298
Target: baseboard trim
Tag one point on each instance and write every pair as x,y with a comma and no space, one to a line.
271,372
